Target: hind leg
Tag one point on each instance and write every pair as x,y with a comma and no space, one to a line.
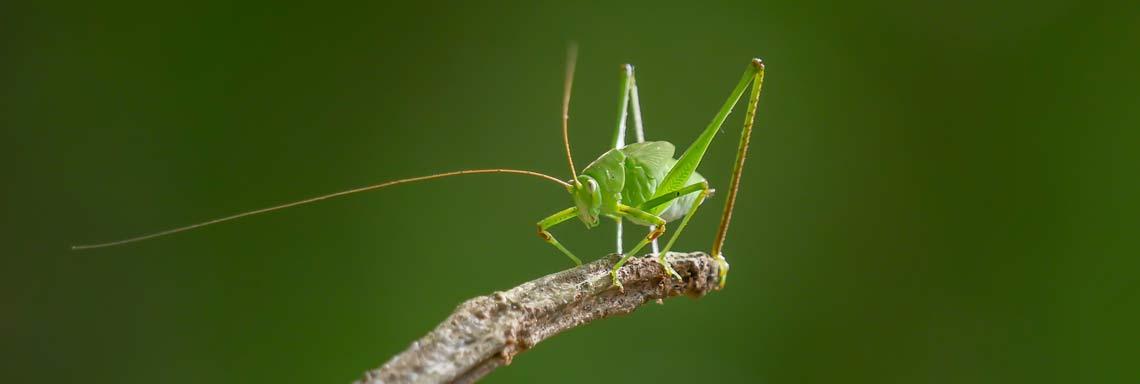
638,128
628,94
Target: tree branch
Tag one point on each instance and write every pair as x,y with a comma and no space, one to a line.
486,332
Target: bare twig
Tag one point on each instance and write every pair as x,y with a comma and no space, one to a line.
484,333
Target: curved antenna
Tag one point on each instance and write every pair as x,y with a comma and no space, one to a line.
571,60
315,199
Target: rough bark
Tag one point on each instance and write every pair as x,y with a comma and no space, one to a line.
486,332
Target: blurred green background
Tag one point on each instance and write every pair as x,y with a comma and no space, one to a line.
937,192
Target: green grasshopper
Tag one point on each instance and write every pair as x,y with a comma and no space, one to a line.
641,182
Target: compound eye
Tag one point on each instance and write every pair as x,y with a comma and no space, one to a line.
592,185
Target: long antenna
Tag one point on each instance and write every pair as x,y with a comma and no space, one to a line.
571,60
318,198
738,169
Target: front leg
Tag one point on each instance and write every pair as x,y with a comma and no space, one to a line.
555,219
642,216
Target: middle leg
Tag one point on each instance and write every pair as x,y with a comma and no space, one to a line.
703,187
657,228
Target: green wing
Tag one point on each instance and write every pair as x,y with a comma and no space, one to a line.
646,164
655,156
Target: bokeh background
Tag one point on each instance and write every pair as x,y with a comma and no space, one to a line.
937,192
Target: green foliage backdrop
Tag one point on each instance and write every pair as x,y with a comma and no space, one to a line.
937,193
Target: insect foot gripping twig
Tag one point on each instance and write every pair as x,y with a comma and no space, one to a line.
486,332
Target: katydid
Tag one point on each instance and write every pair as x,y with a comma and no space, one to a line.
640,182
